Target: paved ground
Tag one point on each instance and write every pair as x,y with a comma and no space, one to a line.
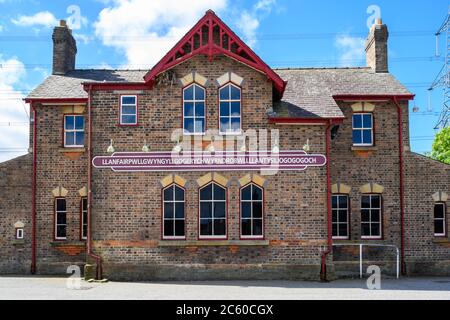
55,288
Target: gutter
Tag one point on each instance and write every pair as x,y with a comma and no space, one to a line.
33,197
323,270
98,259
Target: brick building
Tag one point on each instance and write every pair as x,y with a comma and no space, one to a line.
98,185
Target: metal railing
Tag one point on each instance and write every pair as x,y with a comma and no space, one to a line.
371,245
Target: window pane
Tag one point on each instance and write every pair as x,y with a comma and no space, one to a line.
128,110
236,109
246,210
342,215
343,202
189,93
179,228
257,193
235,124
199,93
189,125
257,209
168,228
365,229
219,227
438,226
224,109
334,229
179,194
199,109
179,210
79,122
128,100
438,211
375,216
188,109
70,122
225,124
84,232
357,121
235,93
334,215
128,119
246,193
205,227
60,204
367,121
168,210
257,227
70,138
343,230
365,215
246,227
365,202
84,204
219,193
199,125
79,138
206,193
225,93
219,209
334,201
375,202
61,218
375,229
61,231
357,136
205,210
367,136
168,194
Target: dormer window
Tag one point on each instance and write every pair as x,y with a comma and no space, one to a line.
363,129
128,110
194,109
230,109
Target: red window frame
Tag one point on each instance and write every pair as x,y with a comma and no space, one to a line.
164,237
194,117
263,220
229,101
208,237
137,111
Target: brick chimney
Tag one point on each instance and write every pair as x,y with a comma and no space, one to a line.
376,47
64,49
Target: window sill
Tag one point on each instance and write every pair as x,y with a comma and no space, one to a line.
127,125
63,242
18,242
203,243
441,239
72,150
364,148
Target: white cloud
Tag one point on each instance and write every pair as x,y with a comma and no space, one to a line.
43,18
12,110
351,49
1,28
248,21
145,30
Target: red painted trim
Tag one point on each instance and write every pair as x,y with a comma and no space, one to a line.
401,186
324,121
162,213
373,97
241,237
33,194
199,237
103,86
120,124
323,272
211,20
56,100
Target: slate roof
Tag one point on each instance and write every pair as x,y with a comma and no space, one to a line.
69,85
309,92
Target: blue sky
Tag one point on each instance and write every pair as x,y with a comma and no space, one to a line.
285,33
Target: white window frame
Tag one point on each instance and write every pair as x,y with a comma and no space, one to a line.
212,201
83,222
194,117
74,130
363,129
135,105
380,236
338,209
443,219
174,201
19,233
229,117
251,201
56,219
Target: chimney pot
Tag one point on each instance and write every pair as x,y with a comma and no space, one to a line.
62,23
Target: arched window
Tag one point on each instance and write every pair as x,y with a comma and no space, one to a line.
173,212
252,214
230,109
213,209
194,109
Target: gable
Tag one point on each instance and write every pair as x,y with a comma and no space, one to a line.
210,37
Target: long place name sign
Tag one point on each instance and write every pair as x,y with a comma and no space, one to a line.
200,161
